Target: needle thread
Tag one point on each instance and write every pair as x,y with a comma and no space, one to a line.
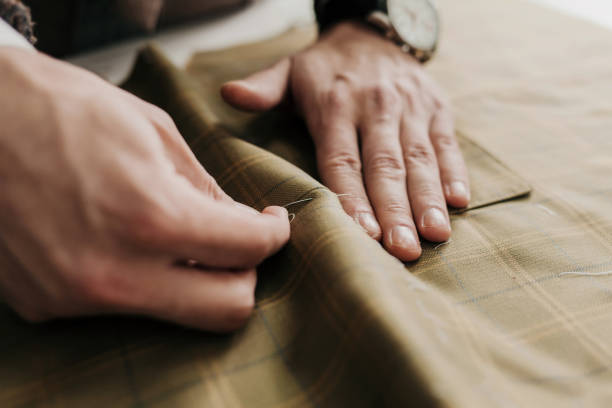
607,273
298,202
305,200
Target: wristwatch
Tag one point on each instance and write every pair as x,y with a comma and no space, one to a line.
412,24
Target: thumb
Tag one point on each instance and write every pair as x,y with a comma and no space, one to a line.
261,91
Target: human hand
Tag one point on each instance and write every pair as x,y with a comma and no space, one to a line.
104,209
383,132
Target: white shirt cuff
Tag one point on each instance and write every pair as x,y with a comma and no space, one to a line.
11,38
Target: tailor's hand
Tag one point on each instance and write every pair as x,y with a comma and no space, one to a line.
103,207
357,90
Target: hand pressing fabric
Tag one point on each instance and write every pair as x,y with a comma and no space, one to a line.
104,209
383,132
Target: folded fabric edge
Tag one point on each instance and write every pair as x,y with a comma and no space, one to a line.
391,331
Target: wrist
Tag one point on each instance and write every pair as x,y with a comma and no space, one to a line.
413,25
351,25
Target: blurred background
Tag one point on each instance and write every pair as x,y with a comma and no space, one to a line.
598,11
259,20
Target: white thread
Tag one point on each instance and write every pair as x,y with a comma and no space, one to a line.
443,243
292,215
607,273
298,202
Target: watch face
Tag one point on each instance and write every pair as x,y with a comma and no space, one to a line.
416,22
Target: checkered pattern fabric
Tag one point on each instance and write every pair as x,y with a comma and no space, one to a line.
486,320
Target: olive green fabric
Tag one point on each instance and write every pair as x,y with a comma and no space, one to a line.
483,321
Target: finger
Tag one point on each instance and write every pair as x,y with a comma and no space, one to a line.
424,188
340,169
453,172
214,233
214,300
385,177
261,91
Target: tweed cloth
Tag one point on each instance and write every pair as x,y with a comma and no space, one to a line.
18,16
483,321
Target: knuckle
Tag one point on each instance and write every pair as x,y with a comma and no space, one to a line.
386,163
445,141
397,208
342,162
407,88
431,196
419,154
353,201
382,97
334,99
239,307
356,204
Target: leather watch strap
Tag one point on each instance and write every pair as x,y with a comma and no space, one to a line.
330,12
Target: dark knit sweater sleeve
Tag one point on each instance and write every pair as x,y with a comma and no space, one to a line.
18,16
329,12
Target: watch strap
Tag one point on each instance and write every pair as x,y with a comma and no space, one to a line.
330,12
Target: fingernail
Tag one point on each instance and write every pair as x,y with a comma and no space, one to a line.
247,85
246,208
280,212
402,236
458,189
434,218
367,221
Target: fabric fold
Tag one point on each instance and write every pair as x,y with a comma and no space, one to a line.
486,320
339,308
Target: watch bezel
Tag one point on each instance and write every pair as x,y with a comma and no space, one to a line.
393,24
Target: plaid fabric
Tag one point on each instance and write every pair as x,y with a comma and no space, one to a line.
483,321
